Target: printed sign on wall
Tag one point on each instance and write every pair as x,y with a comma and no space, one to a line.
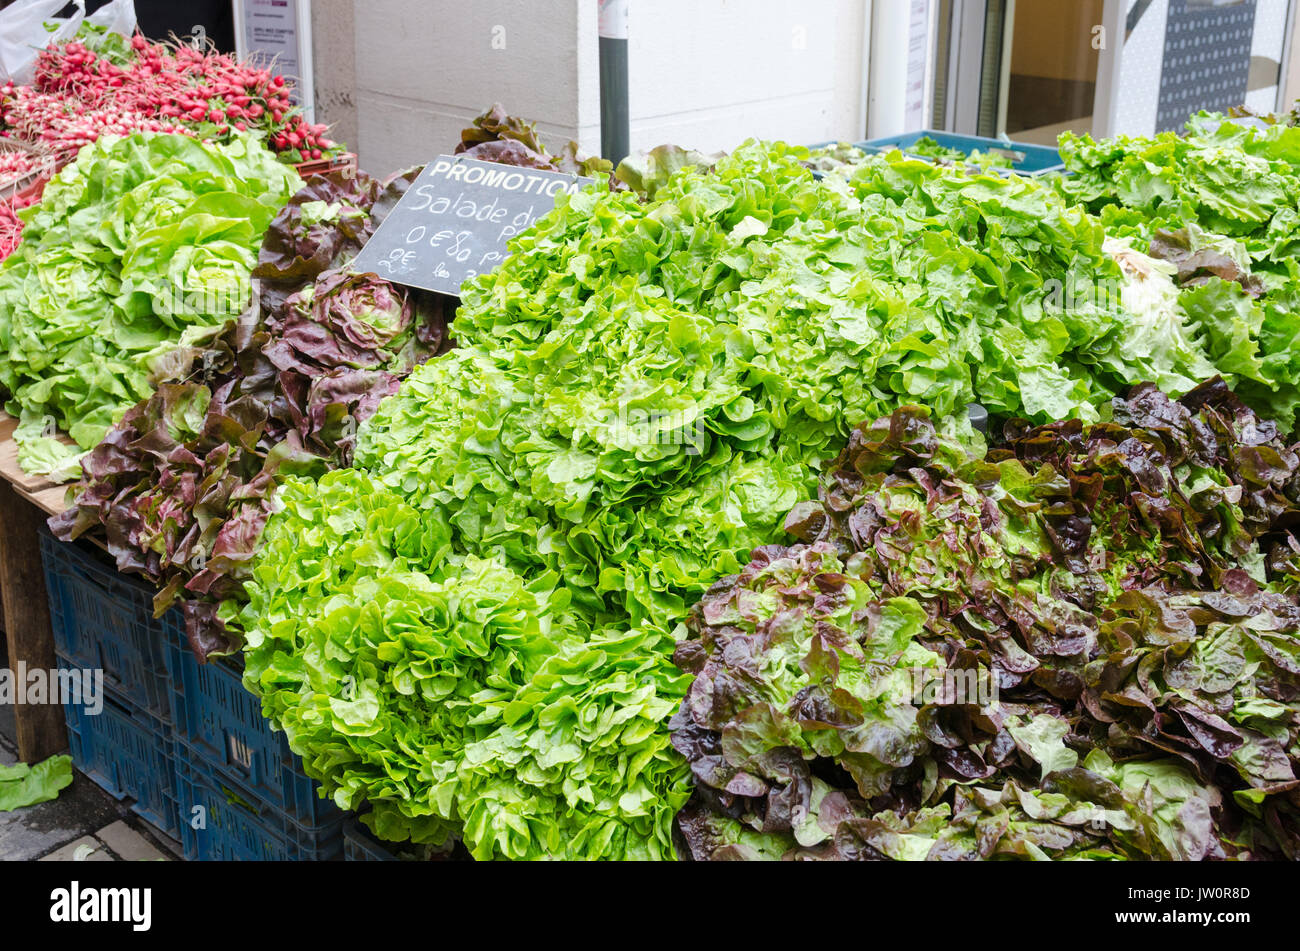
278,33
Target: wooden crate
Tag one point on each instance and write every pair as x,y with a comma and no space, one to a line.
32,183
25,503
346,161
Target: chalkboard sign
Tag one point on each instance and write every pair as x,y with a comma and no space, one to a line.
455,219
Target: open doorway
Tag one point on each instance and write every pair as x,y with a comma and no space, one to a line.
1032,69
1052,80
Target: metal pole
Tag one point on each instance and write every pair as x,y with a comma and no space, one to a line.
615,134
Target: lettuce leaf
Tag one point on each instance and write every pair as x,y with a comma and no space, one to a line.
22,785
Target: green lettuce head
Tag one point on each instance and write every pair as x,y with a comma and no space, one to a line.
137,241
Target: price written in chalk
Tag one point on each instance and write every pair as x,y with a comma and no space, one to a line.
456,219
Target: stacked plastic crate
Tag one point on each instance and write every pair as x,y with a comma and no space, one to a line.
359,845
183,741
103,625
243,794
1024,158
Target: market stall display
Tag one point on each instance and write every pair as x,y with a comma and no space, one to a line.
181,486
184,481
642,391
674,535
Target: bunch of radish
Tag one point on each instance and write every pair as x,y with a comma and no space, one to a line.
64,125
159,87
17,164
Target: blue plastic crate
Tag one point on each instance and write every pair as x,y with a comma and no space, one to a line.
129,753
222,722
222,820
104,620
1027,159
360,846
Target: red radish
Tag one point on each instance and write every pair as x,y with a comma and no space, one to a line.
77,95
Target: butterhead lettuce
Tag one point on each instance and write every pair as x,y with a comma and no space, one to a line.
138,240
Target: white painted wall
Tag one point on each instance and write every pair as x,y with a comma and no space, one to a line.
708,74
334,63
424,68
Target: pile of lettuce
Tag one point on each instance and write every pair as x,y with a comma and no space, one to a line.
928,148
1217,207
472,630
498,137
142,244
180,488
1083,645
457,697
182,485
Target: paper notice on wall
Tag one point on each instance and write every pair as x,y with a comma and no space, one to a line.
270,35
918,61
